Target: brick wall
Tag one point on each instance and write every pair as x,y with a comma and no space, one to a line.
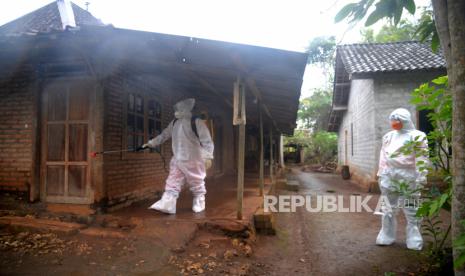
128,179
16,128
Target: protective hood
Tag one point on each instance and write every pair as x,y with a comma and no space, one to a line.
183,109
404,116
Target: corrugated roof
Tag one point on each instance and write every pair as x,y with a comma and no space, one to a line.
389,57
206,68
46,19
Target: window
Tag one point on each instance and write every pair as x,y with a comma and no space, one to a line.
143,120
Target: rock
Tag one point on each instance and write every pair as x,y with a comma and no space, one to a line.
228,254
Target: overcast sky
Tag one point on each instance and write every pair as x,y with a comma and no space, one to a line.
283,24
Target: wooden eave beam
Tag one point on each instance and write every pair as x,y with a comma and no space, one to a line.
253,87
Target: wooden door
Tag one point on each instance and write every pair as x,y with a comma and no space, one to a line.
65,172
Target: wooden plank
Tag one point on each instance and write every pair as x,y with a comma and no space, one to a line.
44,143
281,151
252,86
35,166
240,170
241,159
271,154
66,141
208,86
97,189
261,181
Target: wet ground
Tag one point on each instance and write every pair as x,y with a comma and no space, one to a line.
149,243
335,243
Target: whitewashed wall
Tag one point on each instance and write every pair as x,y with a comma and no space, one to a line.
362,134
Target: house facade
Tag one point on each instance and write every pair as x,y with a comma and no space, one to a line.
371,80
67,91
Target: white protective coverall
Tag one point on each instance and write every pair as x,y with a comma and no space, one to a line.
190,155
400,167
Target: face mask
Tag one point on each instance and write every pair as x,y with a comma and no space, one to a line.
396,125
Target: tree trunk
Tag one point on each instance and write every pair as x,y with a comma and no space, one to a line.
450,23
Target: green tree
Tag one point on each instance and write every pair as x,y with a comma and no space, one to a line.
445,26
324,147
320,147
404,31
321,53
314,110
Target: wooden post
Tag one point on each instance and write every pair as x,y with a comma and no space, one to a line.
262,148
239,118
240,170
34,179
281,151
271,153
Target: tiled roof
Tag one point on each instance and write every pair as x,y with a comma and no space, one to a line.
46,19
388,57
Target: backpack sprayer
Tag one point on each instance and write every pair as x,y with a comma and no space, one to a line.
95,153
194,130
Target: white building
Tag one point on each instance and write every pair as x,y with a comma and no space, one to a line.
370,81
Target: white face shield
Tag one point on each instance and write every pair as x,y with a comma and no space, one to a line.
403,115
183,109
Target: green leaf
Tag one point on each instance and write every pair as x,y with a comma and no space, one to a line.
460,241
374,17
345,11
435,41
434,208
398,14
460,261
410,6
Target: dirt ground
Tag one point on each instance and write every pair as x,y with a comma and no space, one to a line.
334,243
305,244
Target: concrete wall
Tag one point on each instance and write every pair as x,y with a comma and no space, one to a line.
394,91
356,144
370,103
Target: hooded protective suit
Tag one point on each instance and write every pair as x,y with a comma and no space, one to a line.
395,167
189,156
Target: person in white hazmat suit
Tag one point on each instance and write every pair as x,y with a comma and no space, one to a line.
395,167
192,155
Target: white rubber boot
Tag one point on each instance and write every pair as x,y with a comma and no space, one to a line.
198,204
414,238
387,234
167,204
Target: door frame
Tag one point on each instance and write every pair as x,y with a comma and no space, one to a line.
43,101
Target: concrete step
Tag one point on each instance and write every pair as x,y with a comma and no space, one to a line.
75,209
104,233
264,223
292,185
41,225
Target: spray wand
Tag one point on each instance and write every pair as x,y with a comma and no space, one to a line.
141,148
